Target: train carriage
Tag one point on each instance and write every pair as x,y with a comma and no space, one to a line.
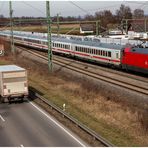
127,57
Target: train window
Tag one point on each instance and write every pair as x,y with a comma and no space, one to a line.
83,49
106,53
91,51
117,55
76,48
86,50
79,49
103,53
109,54
98,52
94,51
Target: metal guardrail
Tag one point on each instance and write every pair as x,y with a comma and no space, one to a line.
79,124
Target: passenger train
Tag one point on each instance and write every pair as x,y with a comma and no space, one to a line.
127,57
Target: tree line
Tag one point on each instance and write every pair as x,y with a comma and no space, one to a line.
106,17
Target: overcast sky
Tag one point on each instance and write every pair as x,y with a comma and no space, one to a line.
67,8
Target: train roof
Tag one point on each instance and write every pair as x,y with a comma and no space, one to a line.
93,44
77,41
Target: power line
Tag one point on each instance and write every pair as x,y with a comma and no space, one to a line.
79,7
34,7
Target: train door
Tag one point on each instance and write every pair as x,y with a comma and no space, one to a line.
115,57
72,48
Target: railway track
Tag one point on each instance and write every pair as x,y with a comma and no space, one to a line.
85,64
142,89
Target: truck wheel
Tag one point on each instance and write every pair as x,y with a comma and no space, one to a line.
9,100
22,100
2,100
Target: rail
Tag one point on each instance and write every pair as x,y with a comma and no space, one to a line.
66,115
123,84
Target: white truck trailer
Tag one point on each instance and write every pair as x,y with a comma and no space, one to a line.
13,83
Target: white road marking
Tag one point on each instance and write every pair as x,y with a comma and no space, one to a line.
22,145
2,118
57,124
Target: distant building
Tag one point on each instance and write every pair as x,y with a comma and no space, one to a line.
86,28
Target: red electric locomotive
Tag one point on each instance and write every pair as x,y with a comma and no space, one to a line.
135,59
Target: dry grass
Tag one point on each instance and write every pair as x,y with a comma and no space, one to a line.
64,28
122,122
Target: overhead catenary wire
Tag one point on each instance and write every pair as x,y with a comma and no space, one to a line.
34,7
79,7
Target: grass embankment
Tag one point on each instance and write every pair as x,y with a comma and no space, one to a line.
121,123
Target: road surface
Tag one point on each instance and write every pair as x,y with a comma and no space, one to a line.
27,125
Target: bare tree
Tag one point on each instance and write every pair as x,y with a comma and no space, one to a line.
89,17
105,16
123,13
138,13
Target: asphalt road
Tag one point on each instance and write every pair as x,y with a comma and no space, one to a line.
27,125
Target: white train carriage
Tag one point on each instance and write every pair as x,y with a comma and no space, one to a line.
100,53
87,49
